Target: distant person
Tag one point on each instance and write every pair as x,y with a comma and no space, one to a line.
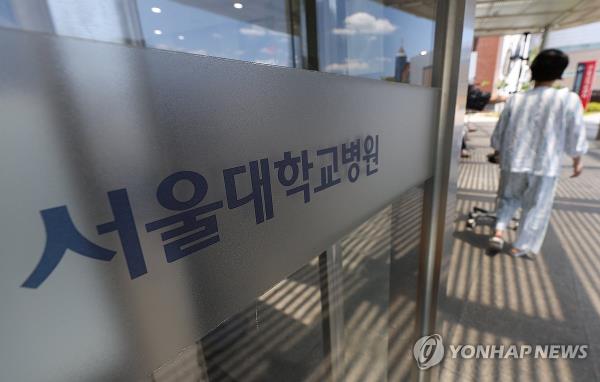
533,131
477,100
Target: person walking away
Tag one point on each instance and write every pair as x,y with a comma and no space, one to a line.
533,131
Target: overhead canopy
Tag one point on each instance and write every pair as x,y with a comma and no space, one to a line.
493,17
501,17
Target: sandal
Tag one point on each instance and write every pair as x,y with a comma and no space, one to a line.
496,243
516,252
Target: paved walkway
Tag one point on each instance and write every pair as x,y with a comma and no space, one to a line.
554,299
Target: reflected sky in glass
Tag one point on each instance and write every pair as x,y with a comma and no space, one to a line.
219,29
363,38
354,37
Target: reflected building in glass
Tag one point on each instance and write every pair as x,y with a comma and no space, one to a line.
364,38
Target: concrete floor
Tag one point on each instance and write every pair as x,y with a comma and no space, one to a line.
554,299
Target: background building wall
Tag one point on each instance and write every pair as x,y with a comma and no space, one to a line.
487,60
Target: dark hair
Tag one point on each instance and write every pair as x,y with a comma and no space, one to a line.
549,65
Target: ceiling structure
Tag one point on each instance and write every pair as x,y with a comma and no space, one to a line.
501,17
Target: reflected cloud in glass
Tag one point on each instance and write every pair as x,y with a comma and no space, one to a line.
369,39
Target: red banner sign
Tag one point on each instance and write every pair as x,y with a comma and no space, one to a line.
583,81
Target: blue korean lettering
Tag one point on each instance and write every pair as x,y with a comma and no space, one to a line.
294,163
351,154
62,235
261,194
327,179
371,153
198,233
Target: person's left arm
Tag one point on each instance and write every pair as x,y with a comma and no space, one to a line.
500,127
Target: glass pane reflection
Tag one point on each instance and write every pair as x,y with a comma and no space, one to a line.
256,31
389,40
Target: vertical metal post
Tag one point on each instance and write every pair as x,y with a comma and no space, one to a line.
332,304
544,42
130,20
523,56
309,16
292,30
453,46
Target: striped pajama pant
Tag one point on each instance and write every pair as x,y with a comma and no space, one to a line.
534,194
